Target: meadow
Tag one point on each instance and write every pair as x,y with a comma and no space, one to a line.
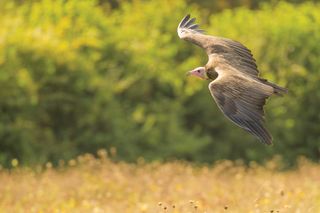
79,76
90,184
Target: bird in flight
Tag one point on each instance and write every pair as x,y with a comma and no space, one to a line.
235,83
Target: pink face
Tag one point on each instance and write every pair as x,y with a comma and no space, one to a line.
199,72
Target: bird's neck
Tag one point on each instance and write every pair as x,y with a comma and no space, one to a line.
212,74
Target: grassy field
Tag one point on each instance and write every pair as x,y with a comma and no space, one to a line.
90,184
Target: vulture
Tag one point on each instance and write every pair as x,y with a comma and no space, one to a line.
235,84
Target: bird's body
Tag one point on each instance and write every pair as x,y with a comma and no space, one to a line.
235,85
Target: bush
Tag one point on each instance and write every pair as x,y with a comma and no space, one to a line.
76,77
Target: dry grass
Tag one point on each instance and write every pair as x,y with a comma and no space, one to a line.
100,185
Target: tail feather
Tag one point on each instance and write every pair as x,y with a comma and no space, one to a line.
278,90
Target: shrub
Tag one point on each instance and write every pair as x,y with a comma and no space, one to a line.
75,77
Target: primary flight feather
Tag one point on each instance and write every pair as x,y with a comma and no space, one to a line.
235,85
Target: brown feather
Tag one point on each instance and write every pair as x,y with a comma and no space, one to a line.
242,102
236,87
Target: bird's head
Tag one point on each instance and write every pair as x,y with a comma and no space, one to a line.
199,72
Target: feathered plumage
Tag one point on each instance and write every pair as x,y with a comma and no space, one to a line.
236,87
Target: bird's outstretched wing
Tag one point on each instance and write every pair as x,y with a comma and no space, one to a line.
242,100
234,53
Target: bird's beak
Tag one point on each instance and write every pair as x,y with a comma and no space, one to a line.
188,73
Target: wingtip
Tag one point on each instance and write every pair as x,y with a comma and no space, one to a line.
268,143
266,138
184,20
189,23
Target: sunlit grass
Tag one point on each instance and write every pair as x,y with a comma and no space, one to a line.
90,184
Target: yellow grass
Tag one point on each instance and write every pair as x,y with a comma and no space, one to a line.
100,185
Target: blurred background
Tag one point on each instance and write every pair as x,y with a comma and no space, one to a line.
79,76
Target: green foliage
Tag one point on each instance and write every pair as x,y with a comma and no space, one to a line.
285,41
217,5
76,77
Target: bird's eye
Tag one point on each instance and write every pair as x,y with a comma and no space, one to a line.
198,71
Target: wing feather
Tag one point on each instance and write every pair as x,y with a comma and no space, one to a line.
238,56
242,102
238,91
188,30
